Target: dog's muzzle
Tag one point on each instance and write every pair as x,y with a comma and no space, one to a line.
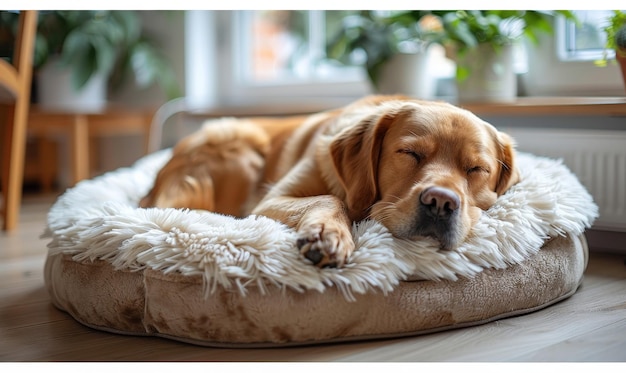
438,216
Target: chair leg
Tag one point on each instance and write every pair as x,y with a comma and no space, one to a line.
7,126
15,149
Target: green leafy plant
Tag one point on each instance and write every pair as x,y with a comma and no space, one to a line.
466,29
380,35
615,36
108,42
377,36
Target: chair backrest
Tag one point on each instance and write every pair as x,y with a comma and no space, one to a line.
15,83
15,77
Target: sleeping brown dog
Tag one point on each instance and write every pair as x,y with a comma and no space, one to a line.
422,169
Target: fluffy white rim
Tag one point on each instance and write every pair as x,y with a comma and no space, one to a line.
99,219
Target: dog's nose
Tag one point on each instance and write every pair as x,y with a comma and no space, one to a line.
440,202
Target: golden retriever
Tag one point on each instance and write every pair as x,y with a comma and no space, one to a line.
422,169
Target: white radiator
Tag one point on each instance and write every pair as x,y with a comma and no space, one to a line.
597,157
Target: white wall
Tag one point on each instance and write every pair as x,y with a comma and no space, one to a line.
168,28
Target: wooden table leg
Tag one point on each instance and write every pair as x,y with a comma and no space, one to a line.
80,148
46,150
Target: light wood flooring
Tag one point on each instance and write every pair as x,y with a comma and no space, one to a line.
589,326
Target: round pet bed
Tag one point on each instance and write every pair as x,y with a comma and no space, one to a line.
215,280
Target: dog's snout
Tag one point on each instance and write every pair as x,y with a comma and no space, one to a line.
440,202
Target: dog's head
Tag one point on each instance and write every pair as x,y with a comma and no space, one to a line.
423,169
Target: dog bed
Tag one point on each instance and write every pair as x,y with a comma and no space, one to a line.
215,280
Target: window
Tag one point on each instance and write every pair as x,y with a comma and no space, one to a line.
269,56
563,64
584,42
283,46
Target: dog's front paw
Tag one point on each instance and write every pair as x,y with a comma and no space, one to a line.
325,245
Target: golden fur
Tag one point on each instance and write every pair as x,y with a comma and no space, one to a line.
420,168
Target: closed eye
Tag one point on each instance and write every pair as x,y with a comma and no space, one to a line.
477,169
417,156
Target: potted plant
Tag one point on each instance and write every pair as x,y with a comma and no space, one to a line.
481,43
391,45
616,40
96,51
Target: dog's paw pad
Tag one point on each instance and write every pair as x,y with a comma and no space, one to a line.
315,256
309,247
324,247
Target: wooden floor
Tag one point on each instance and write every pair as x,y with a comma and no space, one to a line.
589,326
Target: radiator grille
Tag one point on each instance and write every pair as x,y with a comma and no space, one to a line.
598,158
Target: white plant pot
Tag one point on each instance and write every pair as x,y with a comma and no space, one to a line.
491,75
56,92
407,73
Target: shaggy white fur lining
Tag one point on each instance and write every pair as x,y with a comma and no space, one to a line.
99,219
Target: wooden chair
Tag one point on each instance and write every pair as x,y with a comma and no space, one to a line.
15,83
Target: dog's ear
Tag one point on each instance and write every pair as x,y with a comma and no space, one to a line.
355,153
509,175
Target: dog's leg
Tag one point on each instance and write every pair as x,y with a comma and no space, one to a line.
323,227
215,169
301,201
